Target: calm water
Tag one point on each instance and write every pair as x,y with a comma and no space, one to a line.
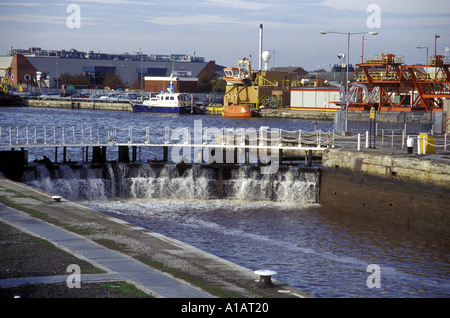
321,251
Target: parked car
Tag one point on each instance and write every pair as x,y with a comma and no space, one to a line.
68,92
30,95
109,98
49,95
79,96
127,97
94,98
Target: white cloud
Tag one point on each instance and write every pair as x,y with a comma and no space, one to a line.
200,19
21,4
42,19
30,18
389,6
115,2
241,4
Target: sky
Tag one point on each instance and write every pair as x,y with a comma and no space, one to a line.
228,30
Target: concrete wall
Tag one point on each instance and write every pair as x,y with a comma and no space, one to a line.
320,98
299,114
447,111
411,190
80,105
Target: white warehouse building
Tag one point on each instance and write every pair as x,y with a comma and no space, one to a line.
316,98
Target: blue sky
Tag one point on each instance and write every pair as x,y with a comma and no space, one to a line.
227,30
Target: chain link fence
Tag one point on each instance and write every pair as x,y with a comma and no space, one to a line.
396,122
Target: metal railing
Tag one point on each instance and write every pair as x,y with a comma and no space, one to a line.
411,122
53,136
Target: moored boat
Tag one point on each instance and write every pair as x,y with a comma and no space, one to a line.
166,103
237,111
238,75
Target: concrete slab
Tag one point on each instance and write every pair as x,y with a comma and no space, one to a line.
14,282
125,267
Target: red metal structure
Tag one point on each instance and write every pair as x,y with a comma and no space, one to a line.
386,83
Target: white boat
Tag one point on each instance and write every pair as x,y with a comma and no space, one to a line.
238,75
166,103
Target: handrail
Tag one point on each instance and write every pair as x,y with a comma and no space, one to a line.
136,136
442,125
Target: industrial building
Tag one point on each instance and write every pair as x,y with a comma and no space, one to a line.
44,70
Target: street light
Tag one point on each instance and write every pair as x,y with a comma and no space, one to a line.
435,40
348,62
423,47
140,53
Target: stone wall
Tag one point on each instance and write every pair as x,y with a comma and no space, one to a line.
408,189
79,105
299,114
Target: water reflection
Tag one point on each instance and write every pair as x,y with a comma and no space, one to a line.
321,251
317,250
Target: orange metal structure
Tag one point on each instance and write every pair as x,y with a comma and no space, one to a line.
386,83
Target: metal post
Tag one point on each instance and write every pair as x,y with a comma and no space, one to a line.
418,145
367,139
166,135
346,83
445,142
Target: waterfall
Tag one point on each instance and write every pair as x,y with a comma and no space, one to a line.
78,182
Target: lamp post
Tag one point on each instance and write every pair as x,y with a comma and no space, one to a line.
435,40
423,47
140,55
348,62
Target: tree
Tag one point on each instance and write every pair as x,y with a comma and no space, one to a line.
65,78
208,82
113,80
78,80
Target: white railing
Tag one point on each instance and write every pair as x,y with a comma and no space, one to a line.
53,136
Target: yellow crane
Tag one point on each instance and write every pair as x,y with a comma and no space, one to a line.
5,79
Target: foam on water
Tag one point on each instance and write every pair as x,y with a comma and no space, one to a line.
312,251
84,182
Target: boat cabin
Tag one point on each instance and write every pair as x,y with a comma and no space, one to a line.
171,99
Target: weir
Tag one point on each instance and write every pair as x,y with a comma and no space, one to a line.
111,180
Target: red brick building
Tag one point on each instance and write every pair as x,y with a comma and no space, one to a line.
184,81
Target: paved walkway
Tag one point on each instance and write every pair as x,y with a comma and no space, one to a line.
119,266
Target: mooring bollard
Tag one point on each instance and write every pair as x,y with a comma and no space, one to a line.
56,198
265,280
410,144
